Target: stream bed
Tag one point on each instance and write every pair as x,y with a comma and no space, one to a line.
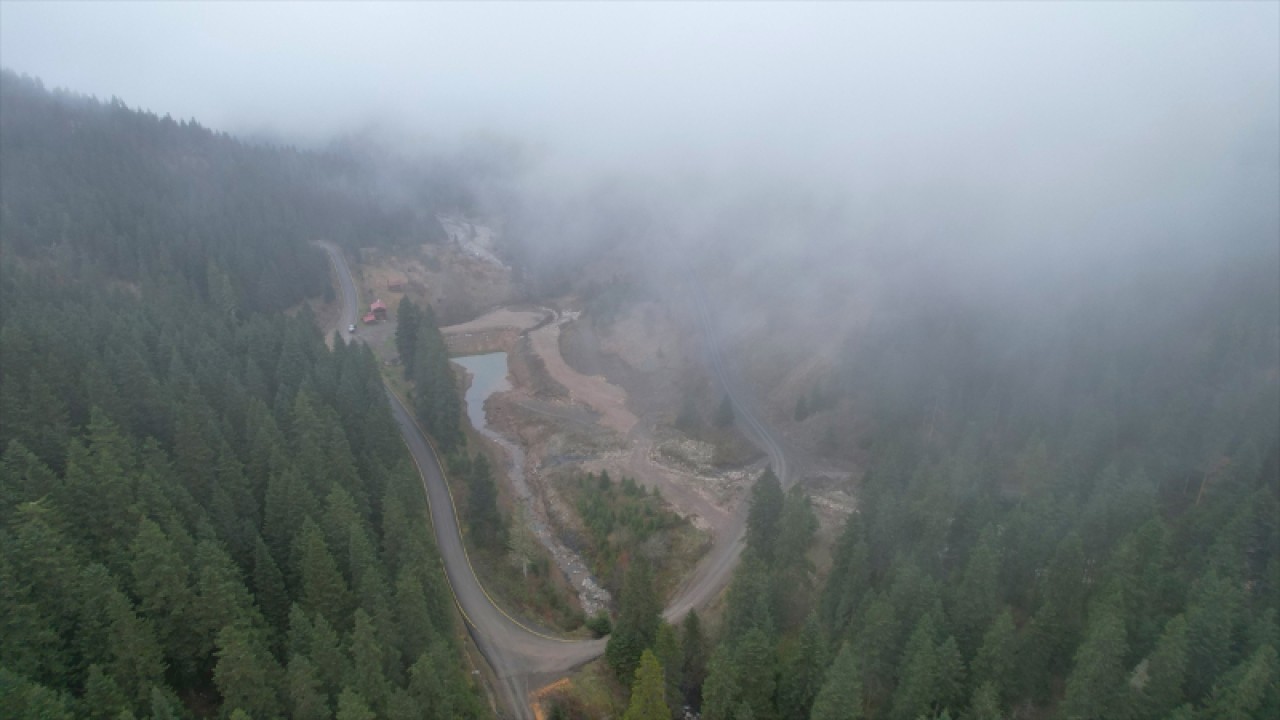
488,376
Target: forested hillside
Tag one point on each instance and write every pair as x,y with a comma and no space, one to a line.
135,196
205,511
1071,509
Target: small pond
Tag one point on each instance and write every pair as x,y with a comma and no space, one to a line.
488,376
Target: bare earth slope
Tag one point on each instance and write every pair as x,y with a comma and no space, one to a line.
523,658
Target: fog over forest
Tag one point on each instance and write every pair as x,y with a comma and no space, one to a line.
1034,132
929,351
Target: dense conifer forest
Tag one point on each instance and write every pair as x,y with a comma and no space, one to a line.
1068,495
204,510
1071,509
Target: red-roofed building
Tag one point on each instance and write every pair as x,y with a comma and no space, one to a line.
370,319
378,310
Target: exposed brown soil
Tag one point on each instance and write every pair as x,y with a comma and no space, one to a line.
619,440
500,319
597,393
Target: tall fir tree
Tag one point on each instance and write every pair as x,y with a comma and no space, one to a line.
648,701
1097,676
693,644
637,625
408,319
247,676
766,507
802,677
1159,682
840,697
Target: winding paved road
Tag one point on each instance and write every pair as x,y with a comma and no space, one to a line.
523,658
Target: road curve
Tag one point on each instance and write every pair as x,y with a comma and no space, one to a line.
713,572
521,657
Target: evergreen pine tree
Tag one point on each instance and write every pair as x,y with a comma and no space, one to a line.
848,579
637,626
1211,617
1250,690
985,704
102,699
949,671
995,659
918,686
803,677
164,592
648,694
138,663
322,646
269,589
323,591
368,676
23,479
755,665
1157,686
840,697
977,596
306,695
1097,676
407,321
351,706
765,510
793,572
721,693
694,646
875,642
483,517
427,688
21,697
246,675
221,596
666,648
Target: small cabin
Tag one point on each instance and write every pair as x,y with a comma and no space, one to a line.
378,310
369,319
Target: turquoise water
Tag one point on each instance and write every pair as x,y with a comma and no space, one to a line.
488,376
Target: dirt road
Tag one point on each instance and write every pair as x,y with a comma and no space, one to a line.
523,658
727,526
714,570
608,403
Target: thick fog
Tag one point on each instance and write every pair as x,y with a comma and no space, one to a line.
966,139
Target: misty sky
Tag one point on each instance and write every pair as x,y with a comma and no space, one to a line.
806,85
1040,127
